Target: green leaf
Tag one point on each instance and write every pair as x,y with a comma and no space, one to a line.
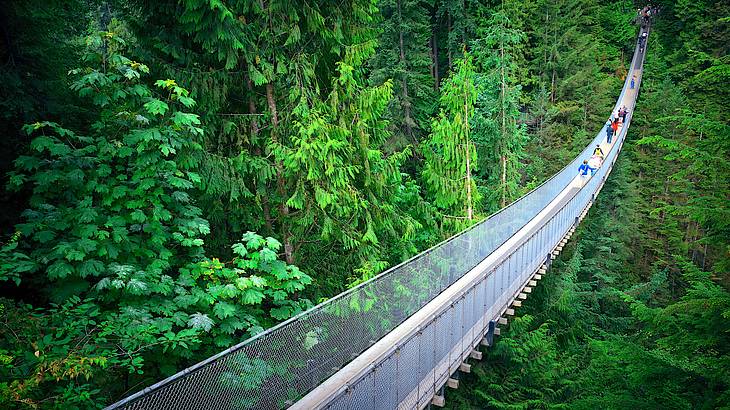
281,313
138,216
224,309
59,270
279,270
200,321
155,106
272,243
239,249
267,255
91,267
187,102
180,119
257,281
252,296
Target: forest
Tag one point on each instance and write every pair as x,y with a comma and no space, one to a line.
180,175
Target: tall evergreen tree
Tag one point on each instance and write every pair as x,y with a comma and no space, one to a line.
500,135
403,56
459,21
450,154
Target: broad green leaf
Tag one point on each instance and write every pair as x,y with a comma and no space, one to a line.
155,106
252,296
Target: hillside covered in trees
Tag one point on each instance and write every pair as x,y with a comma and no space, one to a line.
181,175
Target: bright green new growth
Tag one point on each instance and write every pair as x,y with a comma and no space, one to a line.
450,155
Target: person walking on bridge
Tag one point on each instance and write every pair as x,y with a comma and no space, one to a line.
633,81
584,169
642,41
622,113
609,131
614,127
598,152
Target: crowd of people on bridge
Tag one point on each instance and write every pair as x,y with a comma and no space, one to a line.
589,166
644,14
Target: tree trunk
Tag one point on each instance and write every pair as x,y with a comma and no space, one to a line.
254,134
407,120
554,74
435,54
430,55
280,182
545,37
448,39
503,96
552,88
469,205
464,17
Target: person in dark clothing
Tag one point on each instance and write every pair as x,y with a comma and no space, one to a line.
598,151
642,42
633,81
622,114
609,131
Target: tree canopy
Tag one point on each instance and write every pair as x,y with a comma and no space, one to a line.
180,175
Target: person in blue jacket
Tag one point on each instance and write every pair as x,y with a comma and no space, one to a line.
584,169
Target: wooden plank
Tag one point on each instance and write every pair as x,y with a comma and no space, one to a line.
484,342
517,303
464,367
532,283
522,296
453,383
537,277
502,321
438,401
497,332
509,312
527,289
476,354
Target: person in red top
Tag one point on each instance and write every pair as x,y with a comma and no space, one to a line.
614,126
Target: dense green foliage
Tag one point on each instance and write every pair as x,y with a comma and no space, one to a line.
181,175
450,153
636,313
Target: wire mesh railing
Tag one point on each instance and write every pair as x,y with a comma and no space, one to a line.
414,371
279,366
446,340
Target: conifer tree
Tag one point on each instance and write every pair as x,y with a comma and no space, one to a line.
450,155
501,137
459,21
288,64
403,56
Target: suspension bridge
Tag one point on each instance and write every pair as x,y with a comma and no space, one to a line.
396,341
